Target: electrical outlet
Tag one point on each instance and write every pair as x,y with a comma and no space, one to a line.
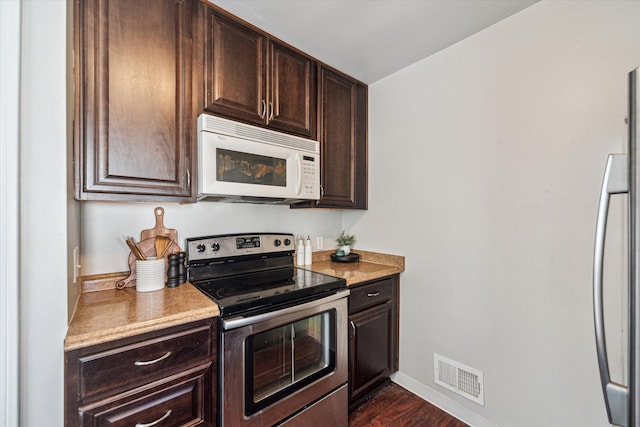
76,264
319,243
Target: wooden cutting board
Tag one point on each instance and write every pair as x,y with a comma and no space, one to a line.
148,248
147,245
159,229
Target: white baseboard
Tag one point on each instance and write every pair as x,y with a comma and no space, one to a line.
443,402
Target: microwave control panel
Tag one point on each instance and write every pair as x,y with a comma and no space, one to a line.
310,177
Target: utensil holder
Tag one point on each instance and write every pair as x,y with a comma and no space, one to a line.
150,274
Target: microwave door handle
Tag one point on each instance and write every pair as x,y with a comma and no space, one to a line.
615,182
299,162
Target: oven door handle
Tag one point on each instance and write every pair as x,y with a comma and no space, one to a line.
239,322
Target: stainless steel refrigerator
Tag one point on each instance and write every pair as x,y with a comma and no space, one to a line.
622,176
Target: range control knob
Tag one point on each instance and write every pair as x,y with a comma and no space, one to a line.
215,247
287,242
200,248
277,242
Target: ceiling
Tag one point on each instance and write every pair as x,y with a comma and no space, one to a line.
371,39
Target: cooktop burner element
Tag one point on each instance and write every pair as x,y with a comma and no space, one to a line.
253,272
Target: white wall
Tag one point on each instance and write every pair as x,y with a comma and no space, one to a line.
104,226
73,206
43,208
9,212
498,144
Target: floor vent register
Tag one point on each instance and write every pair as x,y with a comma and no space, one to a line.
461,379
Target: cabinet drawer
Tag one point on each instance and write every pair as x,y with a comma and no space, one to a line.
138,363
370,295
182,400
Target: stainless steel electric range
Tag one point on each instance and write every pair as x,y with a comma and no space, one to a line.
282,341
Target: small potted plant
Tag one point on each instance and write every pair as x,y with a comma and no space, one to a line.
344,242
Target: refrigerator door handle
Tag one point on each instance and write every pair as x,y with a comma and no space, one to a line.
615,181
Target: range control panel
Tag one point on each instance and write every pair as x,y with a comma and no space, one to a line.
231,245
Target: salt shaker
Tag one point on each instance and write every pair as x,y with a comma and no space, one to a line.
308,255
300,252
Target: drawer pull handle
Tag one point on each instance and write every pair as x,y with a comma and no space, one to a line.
373,294
164,417
151,362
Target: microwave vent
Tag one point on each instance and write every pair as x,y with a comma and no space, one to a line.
228,127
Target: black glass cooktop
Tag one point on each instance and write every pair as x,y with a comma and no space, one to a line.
267,290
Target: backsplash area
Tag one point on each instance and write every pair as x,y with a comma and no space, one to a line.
105,226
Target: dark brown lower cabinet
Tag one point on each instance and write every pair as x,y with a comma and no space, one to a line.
165,377
373,335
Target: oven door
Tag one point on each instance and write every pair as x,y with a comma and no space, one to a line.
275,364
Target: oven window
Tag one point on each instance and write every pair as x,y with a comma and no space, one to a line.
284,359
246,168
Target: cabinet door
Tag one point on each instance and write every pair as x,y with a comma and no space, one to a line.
371,347
292,103
134,124
235,70
343,137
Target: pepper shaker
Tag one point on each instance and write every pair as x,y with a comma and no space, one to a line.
182,269
173,272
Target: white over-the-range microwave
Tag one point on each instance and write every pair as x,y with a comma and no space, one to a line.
243,163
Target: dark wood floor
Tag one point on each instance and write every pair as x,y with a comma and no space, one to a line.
393,406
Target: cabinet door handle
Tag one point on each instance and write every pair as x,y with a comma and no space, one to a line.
151,424
321,195
271,113
151,362
353,329
373,294
188,178
264,109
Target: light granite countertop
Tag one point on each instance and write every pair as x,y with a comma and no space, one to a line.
104,313
111,314
372,265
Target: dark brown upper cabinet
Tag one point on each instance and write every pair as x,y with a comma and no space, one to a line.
135,119
342,103
254,79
